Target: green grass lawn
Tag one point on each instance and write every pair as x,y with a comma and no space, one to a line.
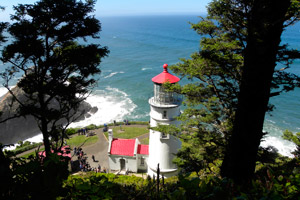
82,140
145,141
128,132
32,153
76,141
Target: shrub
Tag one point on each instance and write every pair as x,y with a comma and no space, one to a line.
19,150
91,127
72,131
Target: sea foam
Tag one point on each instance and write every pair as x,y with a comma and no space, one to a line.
273,138
284,147
146,68
3,91
113,73
112,104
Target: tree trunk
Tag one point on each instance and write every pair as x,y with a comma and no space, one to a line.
44,128
265,26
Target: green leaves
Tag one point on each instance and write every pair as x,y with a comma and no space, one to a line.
214,78
295,138
58,71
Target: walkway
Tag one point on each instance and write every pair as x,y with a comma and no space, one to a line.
99,150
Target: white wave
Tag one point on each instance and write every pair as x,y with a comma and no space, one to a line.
274,139
285,122
11,147
284,147
116,91
113,73
146,68
106,70
271,121
38,138
3,91
112,104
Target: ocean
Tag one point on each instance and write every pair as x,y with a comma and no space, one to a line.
140,45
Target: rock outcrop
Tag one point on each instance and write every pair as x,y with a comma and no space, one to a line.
23,128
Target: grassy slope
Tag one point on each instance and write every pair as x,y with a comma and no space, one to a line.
81,140
127,132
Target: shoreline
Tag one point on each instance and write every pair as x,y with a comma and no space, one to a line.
281,146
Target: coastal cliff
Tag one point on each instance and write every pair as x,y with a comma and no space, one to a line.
22,128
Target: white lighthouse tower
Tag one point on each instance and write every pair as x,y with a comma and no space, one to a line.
164,107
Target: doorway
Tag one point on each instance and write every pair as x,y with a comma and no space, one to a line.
122,164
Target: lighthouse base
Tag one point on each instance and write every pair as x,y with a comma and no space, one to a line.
152,172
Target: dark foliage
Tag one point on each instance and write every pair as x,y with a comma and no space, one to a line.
57,70
217,75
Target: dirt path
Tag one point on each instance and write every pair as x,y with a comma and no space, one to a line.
99,150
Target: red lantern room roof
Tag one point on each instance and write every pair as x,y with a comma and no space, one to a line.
165,76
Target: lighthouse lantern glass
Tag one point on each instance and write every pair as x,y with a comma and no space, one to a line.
163,97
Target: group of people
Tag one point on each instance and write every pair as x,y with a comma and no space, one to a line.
83,131
84,165
97,169
78,152
126,122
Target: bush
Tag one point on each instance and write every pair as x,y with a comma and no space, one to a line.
72,131
109,186
29,146
23,144
91,127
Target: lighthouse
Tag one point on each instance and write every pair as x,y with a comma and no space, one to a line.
164,108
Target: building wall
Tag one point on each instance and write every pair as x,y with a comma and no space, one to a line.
157,115
162,147
162,150
142,167
130,163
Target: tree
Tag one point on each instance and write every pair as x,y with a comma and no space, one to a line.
234,33
57,70
5,172
294,138
3,25
265,24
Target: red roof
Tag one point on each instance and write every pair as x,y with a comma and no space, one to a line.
165,76
65,149
143,149
124,147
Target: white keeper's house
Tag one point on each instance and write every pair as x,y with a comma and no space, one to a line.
129,154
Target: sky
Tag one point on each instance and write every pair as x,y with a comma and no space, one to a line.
129,7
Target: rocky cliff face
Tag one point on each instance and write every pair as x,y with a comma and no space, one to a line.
22,128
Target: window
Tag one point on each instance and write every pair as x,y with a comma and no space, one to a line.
142,161
165,114
164,136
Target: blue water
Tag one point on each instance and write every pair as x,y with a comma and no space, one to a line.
139,46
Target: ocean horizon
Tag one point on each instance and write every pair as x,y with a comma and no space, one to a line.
140,45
